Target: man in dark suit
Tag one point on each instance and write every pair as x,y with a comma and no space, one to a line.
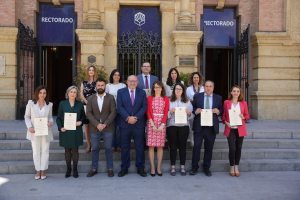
132,106
205,100
145,79
101,111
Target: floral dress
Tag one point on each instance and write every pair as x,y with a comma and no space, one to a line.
157,139
88,90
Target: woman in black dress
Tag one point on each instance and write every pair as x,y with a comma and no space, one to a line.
88,88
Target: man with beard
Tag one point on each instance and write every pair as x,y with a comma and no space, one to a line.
132,106
101,111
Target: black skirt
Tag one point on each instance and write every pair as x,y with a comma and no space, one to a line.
86,121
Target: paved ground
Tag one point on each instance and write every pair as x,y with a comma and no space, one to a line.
250,185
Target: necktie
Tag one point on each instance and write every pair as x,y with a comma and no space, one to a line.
147,86
207,102
132,97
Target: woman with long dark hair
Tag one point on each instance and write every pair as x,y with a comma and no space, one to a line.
173,78
39,107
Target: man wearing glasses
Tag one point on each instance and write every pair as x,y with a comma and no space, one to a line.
132,106
145,79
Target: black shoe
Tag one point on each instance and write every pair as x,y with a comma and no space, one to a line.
142,172
193,171
75,173
159,174
152,175
207,172
123,173
68,173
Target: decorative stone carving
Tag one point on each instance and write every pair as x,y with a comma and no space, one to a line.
167,6
56,2
91,59
93,16
111,5
185,17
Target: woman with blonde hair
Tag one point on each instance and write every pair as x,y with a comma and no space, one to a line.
88,88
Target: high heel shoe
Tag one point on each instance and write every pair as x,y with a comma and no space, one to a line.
237,174
158,173
43,177
183,173
68,173
232,174
37,177
152,174
173,173
75,173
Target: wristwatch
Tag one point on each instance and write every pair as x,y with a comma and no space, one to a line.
163,124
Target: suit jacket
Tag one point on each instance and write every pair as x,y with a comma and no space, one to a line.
198,102
126,109
32,111
141,83
225,117
107,114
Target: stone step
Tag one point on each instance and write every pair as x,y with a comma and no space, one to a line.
218,154
219,144
27,167
21,135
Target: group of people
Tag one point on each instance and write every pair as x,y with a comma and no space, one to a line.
116,113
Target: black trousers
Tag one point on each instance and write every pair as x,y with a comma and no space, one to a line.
235,143
177,136
209,136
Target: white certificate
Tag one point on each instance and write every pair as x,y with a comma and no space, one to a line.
148,92
84,106
180,115
206,117
234,116
70,121
40,126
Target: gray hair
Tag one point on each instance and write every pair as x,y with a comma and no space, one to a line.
70,88
211,82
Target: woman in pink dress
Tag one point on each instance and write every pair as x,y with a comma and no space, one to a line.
157,112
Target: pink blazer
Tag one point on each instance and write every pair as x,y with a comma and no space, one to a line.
225,117
150,111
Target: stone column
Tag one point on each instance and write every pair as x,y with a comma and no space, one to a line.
93,18
8,86
111,8
185,17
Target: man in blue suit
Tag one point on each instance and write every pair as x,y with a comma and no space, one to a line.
205,100
145,79
132,106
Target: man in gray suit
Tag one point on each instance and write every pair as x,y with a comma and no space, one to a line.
101,111
145,79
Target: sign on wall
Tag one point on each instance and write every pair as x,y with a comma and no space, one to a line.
148,18
220,27
56,24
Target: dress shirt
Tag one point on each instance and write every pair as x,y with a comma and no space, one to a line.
210,100
148,78
179,103
190,91
236,107
130,92
42,112
100,101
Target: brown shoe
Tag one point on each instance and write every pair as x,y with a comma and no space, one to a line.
92,173
110,173
237,174
113,149
119,149
232,174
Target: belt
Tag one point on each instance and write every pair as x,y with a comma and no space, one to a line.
158,114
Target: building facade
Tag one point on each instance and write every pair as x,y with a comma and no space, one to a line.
252,43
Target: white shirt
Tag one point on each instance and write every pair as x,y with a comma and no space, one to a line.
130,93
190,91
42,112
144,79
113,88
210,100
100,101
236,107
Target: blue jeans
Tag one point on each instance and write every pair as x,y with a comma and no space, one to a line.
116,143
95,140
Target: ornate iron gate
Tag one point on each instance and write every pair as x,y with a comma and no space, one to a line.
243,61
26,60
136,48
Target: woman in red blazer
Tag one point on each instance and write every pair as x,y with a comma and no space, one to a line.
235,134
157,112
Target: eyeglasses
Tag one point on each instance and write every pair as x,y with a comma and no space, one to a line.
146,66
132,81
178,89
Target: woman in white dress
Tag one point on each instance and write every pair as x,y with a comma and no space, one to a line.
39,107
172,79
115,83
195,83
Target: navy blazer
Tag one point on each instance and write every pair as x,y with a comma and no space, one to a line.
126,109
198,102
141,83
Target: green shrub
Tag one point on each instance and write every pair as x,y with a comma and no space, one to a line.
184,77
81,69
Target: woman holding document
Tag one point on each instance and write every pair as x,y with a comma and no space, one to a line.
88,88
69,120
157,112
180,111
234,116
38,119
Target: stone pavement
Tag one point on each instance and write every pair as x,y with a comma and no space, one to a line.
250,185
